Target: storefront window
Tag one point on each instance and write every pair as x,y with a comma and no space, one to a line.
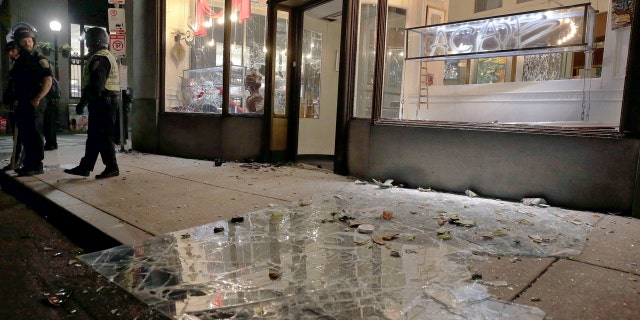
365,64
561,70
194,61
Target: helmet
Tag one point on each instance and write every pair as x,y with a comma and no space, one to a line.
23,30
97,38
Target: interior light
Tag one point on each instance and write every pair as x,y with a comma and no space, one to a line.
234,17
212,43
208,23
221,20
264,49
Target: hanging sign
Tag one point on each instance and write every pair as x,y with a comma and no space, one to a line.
116,20
115,1
118,44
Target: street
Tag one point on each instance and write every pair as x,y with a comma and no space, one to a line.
39,261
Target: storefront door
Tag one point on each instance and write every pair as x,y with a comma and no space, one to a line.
318,84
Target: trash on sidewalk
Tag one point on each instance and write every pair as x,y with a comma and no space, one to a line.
470,193
59,297
316,258
384,185
237,219
535,202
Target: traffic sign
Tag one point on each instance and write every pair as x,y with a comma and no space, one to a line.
116,20
118,44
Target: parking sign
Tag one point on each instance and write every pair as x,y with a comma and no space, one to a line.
118,44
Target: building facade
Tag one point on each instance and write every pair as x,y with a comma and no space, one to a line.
451,95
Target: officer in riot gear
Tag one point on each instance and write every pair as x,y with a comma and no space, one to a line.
32,79
100,89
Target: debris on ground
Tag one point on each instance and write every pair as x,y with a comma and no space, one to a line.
274,274
444,234
387,215
366,228
59,297
384,185
237,219
470,193
305,203
535,202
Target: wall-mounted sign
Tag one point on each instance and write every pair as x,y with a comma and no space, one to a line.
116,20
115,1
555,30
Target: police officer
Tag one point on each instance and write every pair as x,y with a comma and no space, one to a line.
32,78
8,99
100,88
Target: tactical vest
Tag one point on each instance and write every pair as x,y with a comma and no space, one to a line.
113,80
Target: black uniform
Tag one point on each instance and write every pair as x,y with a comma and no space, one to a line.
27,73
103,106
51,113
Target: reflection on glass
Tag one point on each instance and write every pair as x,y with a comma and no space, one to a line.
280,78
310,74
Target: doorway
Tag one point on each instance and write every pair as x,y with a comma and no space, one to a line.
318,84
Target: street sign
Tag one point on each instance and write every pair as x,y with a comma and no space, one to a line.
112,2
118,44
116,20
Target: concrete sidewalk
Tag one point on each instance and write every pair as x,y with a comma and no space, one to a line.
155,195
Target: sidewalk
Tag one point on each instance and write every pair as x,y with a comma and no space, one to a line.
562,263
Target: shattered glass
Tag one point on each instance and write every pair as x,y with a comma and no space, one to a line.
308,261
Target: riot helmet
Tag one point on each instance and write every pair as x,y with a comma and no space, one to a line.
96,39
23,30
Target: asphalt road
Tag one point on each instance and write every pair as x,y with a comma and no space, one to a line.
37,260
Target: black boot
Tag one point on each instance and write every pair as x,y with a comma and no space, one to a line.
108,173
78,171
